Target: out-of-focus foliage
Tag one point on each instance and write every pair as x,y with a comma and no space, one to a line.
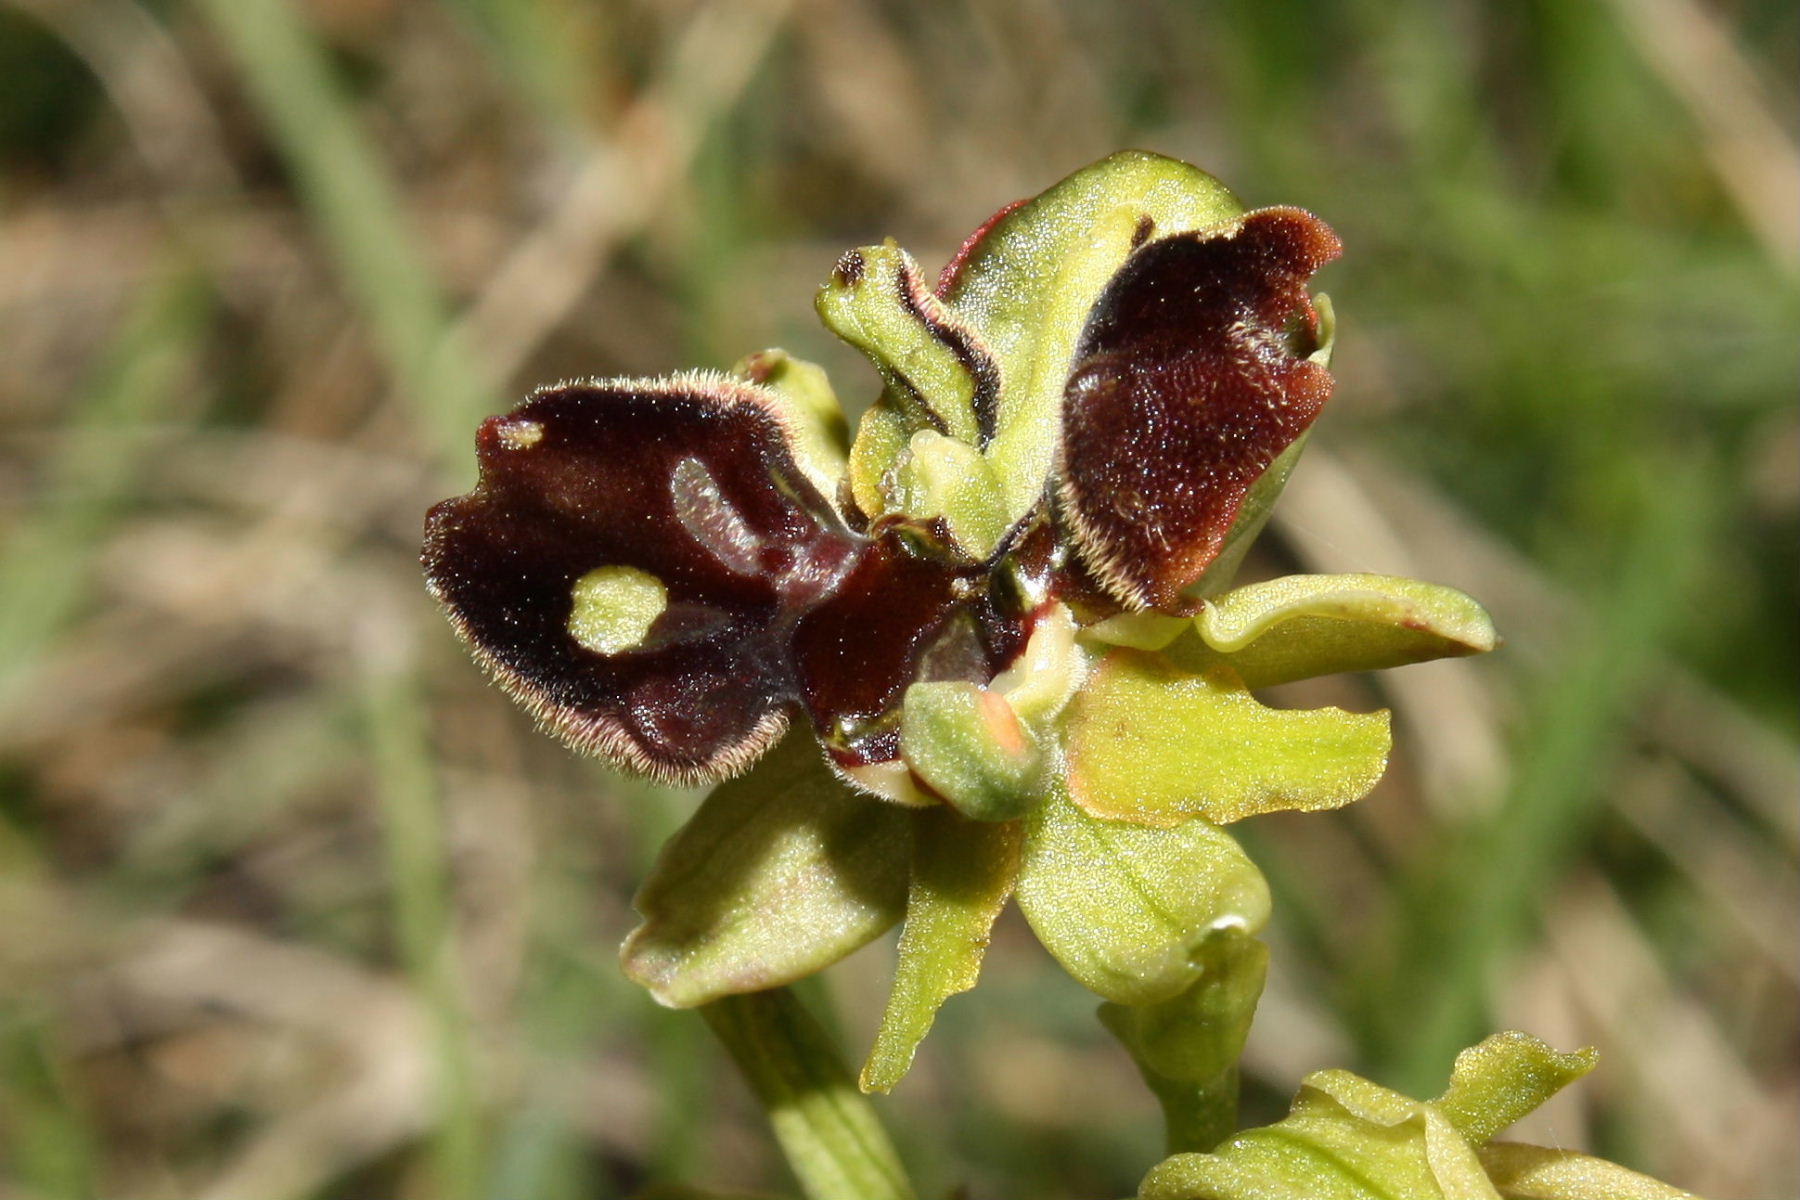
295,906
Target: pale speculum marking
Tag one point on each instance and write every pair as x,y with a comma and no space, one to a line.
615,607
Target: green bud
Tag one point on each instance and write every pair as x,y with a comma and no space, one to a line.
1127,909
1347,1138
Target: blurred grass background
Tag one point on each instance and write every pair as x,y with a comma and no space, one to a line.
293,905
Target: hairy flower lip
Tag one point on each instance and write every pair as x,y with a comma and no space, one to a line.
1185,388
769,601
690,481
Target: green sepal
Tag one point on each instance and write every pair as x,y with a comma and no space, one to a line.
779,874
1300,626
1187,1047
1028,286
963,873
1507,1076
877,301
939,476
1128,910
1522,1172
1158,741
968,745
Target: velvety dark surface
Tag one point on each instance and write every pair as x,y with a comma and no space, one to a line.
1186,386
690,481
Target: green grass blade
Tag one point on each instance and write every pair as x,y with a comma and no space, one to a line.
349,195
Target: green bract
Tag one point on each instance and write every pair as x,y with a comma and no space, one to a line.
1349,1139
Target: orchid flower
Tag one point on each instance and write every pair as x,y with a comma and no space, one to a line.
987,650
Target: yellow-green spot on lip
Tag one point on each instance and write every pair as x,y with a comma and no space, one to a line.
615,607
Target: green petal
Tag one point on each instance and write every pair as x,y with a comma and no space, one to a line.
1127,909
1347,1138
1300,626
779,874
877,301
963,872
1505,1077
1153,742
1524,1172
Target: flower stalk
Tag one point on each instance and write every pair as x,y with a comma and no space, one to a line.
1187,1048
827,1129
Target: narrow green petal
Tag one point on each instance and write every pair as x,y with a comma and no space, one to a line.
877,301
1300,626
963,872
1127,909
1152,742
779,874
1524,1172
1508,1075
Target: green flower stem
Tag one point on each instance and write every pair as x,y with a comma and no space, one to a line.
827,1129
1187,1048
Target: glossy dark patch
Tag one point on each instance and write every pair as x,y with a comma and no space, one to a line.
689,480
898,618
1186,386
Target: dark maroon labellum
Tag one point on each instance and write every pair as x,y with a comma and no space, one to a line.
1190,378
689,482
728,589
